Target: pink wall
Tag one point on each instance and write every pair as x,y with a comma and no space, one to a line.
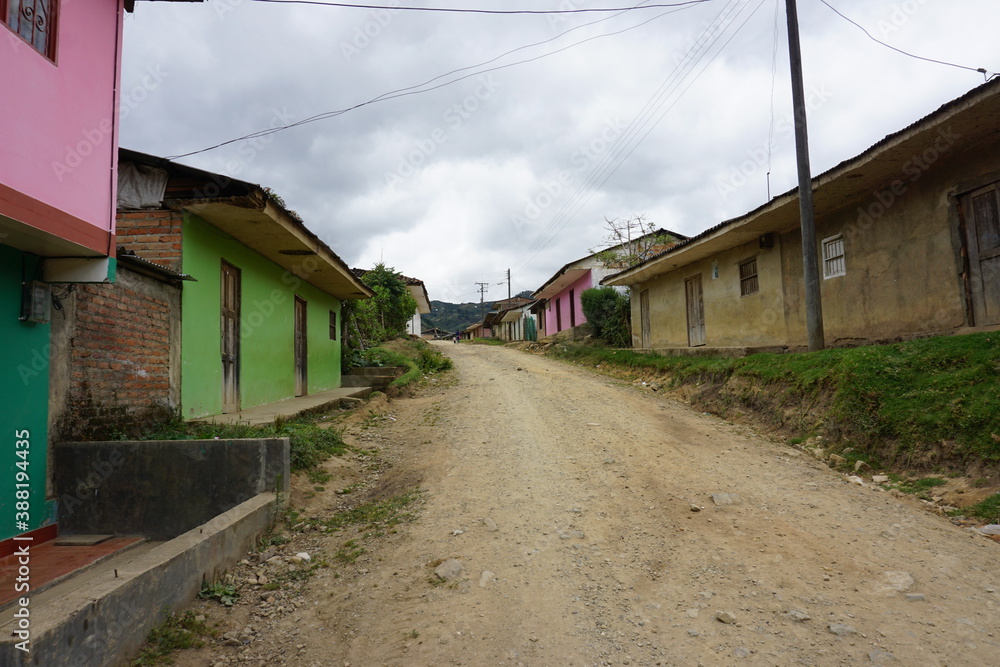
58,141
563,301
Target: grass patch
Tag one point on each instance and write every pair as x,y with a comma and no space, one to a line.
419,357
912,394
988,510
377,516
177,632
310,444
487,341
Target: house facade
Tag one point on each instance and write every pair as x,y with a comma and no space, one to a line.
59,69
563,309
419,293
908,240
261,317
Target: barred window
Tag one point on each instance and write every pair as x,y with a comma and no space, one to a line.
833,256
333,325
34,21
748,277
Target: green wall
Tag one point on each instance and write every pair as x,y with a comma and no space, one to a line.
24,374
267,372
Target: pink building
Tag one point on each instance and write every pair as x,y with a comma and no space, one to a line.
60,64
563,309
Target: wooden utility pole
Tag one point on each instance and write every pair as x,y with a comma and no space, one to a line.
482,291
508,284
810,262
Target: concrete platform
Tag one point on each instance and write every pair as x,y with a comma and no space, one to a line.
287,409
102,616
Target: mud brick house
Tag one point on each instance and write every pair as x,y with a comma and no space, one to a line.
260,316
60,74
908,240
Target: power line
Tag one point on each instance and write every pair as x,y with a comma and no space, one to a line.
449,10
981,70
612,160
419,88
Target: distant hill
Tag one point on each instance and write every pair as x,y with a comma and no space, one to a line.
452,316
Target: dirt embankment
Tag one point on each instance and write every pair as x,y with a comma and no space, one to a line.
594,524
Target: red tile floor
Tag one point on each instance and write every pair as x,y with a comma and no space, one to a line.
50,563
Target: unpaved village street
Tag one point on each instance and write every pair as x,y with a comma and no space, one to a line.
581,509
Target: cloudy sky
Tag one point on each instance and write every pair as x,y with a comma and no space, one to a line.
665,112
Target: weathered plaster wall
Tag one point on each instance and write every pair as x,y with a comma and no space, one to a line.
730,319
903,257
902,253
267,372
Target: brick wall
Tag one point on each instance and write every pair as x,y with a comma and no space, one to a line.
117,357
154,235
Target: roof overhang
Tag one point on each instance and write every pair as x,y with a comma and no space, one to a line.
258,223
419,293
559,282
965,122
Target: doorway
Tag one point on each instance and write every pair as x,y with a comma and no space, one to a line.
301,348
230,299
695,311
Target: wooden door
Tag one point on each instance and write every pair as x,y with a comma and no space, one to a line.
981,214
301,348
230,300
644,326
695,311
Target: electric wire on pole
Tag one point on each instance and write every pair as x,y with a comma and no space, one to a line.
482,291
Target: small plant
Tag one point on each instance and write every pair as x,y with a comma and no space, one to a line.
318,475
226,594
921,487
988,510
349,552
177,632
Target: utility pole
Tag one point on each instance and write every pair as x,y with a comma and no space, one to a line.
482,291
508,284
810,263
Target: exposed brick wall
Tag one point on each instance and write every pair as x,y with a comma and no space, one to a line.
120,345
154,235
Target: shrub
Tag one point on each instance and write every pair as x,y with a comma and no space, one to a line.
607,311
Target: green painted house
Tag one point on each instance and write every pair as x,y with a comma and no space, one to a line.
260,321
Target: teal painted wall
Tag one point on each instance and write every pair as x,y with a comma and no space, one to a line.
267,372
24,374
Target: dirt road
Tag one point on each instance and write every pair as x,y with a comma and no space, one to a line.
581,510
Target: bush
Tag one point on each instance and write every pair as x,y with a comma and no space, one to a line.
607,311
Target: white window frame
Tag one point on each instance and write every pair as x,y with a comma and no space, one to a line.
825,245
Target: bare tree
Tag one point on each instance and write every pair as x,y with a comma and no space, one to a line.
631,241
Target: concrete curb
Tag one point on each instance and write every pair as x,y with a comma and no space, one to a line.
102,617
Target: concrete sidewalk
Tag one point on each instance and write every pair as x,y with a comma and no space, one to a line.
292,407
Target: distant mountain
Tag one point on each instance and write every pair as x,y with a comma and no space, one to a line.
452,316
